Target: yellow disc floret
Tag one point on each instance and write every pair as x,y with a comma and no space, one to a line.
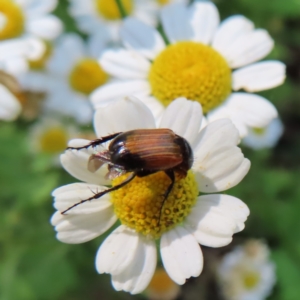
109,10
251,279
138,204
192,70
11,20
259,130
87,75
40,63
163,2
53,140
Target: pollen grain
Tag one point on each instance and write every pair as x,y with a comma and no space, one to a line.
109,10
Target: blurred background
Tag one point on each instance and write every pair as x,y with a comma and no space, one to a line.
34,265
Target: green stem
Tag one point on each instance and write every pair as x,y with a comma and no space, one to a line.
121,9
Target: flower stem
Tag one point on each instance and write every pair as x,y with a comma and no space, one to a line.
121,9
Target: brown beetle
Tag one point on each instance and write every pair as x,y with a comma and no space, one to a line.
142,152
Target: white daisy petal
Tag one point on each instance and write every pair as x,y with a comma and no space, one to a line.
249,48
204,20
76,161
181,255
229,30
146,11
110,92
78,143
124,64
26,47
36,8
34,81
154,105
68,195
141,38
219,164
122,115
136,277
216,134
97,42
224,112
184,118
259,76
224,171
174,18
76,229
16,66
71,44
245,110
267,138
10,107
118,251
48,27
253,110
215,218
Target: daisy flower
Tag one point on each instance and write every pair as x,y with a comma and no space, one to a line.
129,253
104,15
205,61
23,26
266,137
50,136
246,273
68,75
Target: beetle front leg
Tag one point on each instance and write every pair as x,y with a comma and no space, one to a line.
96,142
98,195
96,161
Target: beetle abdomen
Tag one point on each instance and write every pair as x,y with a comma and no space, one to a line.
149,149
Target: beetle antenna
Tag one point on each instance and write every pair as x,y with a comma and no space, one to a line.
98,195
171,175
96,142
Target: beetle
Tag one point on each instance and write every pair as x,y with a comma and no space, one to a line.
141,152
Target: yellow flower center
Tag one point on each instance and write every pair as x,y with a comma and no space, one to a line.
54,140
138,204
163,2
40,63
87,75
109,10
259,130
192,70
11,20
251,279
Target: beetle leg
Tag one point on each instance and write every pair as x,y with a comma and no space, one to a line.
115,171
98,195
171,175
96,142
